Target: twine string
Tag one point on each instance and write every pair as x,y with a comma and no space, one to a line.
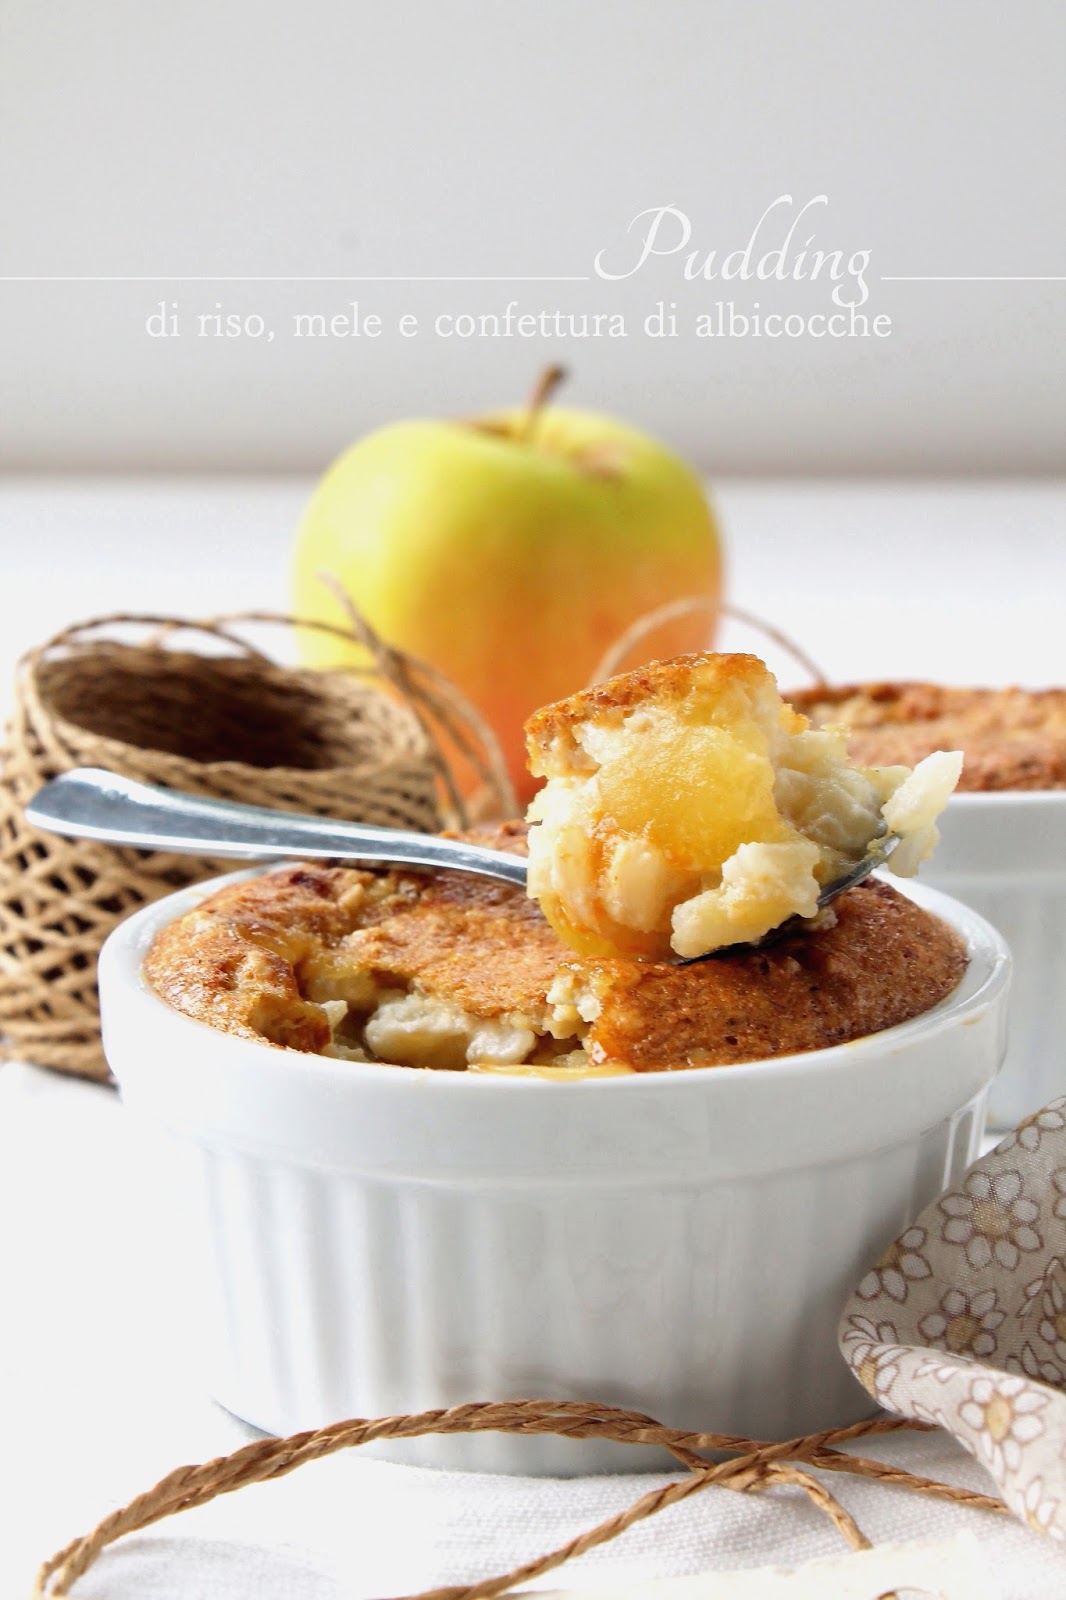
162,629
435,699
692,605
751,1465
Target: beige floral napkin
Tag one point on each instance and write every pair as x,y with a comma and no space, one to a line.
962,1322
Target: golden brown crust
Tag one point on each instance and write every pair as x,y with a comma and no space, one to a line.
481,943
233,960
1012,738
658,680
248,960
883,962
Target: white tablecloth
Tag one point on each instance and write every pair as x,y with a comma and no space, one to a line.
98,1398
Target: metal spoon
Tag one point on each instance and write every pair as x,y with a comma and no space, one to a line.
90,803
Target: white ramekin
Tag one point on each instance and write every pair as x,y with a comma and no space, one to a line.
372,1239
1004,854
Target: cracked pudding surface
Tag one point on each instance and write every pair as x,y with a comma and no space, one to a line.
1012,738
688,807
451,972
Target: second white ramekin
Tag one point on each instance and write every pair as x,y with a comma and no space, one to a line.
1005,855
371,1239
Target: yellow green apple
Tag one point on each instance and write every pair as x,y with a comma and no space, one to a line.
509,550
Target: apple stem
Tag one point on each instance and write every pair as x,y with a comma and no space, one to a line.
546,385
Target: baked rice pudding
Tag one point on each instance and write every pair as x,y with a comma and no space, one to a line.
688,807
456,972
1012,738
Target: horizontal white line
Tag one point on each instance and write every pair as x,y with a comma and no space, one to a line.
459,278
972,279
223,278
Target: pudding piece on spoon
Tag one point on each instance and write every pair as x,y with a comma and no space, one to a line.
688,807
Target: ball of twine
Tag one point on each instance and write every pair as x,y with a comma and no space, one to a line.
194,706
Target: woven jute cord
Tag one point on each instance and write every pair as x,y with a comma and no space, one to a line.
195,706
750,1465
635,639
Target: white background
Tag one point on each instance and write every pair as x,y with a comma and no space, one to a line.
462,138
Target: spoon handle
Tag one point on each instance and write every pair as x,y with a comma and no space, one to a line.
89,803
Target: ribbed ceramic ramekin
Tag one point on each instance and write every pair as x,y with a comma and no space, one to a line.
1004,854
373,1239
